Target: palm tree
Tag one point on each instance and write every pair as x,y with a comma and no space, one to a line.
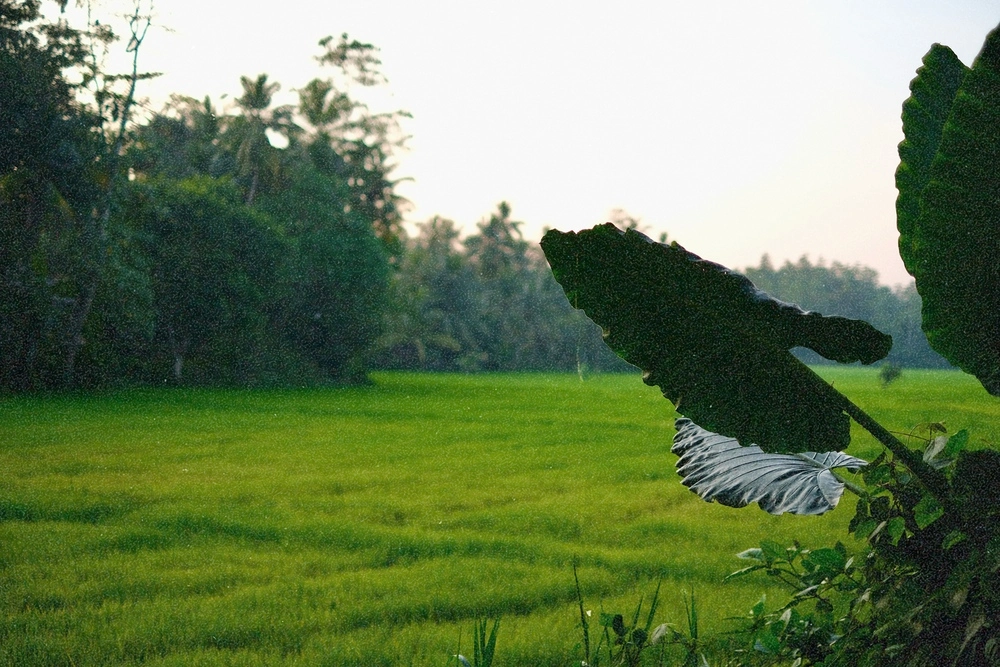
254,152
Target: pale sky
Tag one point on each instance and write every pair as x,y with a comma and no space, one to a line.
738,128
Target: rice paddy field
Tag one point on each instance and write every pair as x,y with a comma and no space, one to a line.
374,525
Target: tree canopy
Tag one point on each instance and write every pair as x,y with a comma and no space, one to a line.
253,243
186,247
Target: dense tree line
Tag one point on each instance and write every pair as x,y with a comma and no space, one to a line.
486,302
264,244
489,302
186,247
852,291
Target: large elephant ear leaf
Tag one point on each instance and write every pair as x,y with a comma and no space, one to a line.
932,93
720,470
955,243
716,346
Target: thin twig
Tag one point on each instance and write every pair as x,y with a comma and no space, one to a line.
583,617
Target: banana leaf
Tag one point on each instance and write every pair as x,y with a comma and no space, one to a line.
716,346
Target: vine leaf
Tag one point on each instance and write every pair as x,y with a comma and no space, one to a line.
719,469
717,346
948,210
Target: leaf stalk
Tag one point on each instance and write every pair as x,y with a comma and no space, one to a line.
932,479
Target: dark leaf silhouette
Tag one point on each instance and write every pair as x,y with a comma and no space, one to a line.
948,211
716,345
932,92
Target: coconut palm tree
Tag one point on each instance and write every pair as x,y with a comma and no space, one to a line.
254,153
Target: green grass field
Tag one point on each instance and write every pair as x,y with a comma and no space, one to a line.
372,526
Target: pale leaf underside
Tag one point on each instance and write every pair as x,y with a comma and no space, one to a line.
719,469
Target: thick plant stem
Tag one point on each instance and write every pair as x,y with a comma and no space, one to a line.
932,479
851,486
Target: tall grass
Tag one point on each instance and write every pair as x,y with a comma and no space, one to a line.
374,525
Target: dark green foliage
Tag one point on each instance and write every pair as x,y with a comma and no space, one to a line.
122,322
47,189
431,324
808,627
932,93
353,144
61,254
922,592
187,248
182,141
951,247
931,577
498,257
715,345
451,311
334,275
212,262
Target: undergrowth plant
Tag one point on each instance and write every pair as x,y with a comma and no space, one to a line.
889,373
636,642
483,645
759,426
